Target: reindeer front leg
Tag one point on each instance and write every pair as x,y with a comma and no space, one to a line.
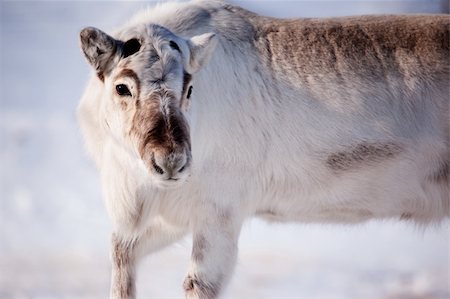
214,254
126,252
123,268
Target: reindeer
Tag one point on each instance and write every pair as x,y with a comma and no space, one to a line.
200,115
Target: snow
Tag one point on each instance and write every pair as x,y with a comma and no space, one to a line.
54,232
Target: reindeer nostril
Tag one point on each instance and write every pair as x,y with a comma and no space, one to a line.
156,167
182,168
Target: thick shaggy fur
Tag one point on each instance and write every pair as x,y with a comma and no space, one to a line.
314,120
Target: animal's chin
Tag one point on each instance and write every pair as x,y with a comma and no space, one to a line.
168,184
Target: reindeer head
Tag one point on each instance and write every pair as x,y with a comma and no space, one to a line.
146,74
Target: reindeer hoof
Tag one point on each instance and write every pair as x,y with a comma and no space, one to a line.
188,284
196,288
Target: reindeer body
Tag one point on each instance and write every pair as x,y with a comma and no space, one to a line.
312,120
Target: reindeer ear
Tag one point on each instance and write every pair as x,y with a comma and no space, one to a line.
99,48
201,48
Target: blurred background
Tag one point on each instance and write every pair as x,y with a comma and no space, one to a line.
54,231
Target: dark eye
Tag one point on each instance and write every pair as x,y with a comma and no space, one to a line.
189,92
123,90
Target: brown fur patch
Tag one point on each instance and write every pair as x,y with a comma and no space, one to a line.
406,216
156,130
413,49
203,289
101,76
123,264
361,154
131,74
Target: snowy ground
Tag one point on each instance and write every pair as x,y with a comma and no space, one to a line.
54,229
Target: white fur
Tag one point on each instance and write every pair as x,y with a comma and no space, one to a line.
253,156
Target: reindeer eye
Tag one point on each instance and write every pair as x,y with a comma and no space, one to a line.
189,92
123,90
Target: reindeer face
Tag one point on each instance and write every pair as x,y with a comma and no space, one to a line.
146,75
